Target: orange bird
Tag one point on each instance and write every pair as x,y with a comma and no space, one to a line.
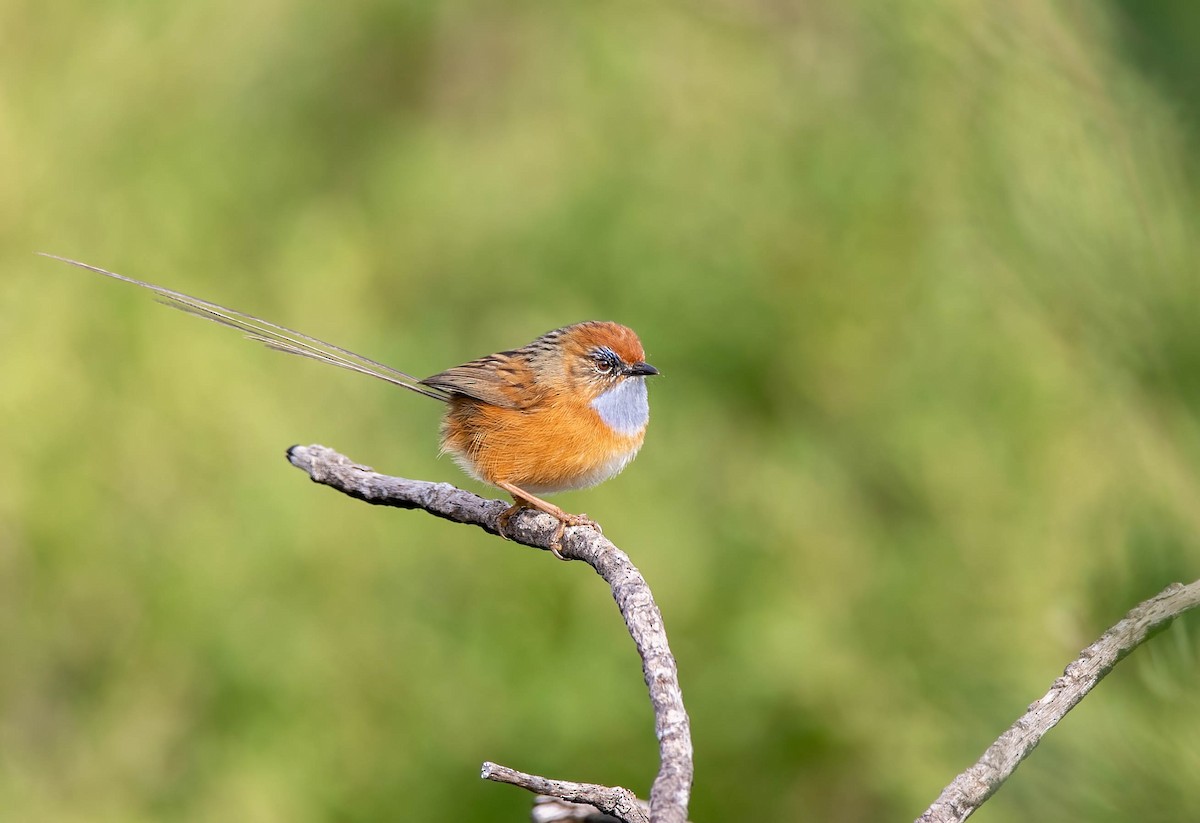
567,411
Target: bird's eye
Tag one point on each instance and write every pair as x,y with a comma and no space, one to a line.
604,361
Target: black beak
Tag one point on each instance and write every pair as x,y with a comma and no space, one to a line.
641,370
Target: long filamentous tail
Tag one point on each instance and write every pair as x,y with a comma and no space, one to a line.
271,335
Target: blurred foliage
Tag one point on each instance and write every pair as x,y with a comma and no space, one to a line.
922,281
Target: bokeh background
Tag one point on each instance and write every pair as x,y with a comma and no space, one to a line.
922,281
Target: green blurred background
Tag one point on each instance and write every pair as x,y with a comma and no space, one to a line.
922,281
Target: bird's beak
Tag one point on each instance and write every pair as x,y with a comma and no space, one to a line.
641,370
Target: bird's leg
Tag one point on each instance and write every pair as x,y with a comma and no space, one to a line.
524,500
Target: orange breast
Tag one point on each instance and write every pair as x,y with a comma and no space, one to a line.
558,445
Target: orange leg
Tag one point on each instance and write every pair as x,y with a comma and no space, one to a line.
524,500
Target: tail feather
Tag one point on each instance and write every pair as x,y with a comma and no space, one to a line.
279,338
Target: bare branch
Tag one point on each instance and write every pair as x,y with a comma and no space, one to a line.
548,809
616,801
672,787
973,787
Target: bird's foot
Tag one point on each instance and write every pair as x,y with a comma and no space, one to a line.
525,500
565,519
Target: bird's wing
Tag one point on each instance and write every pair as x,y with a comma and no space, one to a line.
505,379
279,338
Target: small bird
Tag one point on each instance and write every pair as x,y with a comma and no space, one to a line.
567,411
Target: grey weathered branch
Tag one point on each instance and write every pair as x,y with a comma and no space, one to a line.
547,809
671,790
621,803
973,787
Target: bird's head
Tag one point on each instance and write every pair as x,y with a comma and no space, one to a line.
599,356
604,365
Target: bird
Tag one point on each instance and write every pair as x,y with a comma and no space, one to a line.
566,411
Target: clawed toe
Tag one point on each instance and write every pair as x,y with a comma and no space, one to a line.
556,541
504,518
570,520
583,520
